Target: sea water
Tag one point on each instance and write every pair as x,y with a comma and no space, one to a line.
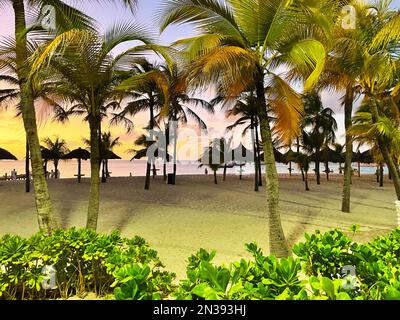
126,168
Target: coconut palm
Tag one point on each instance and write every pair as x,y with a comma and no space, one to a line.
214,156
108,143
89,74
303,161
170,82
66,18
147,97
240,44
319,125
378,78
245,108
57,148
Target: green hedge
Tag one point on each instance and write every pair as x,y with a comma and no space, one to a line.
85,261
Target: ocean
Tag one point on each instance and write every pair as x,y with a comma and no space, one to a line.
125,168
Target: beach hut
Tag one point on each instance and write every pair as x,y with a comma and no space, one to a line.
80,154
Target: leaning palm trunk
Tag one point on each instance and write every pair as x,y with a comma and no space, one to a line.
317,167
94,195
385,151
148,173
348,110
277,241
45,211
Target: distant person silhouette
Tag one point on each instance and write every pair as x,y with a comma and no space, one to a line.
14,174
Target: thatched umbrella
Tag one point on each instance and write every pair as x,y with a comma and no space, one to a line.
279,157
327,155
367,157
241,153
80,154
5,155
289,157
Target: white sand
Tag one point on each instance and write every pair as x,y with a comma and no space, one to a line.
195,213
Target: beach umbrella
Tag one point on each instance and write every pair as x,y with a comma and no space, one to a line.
80,154
279,157
289,157
329,155
109,155
5,155
367,157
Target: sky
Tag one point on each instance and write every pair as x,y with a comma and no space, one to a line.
12,135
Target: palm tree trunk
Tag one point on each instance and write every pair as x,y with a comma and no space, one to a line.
45,212
224,177
290,168
166,159
215,177
94,194
56,169
258,153
175,144
107,170
327,170
277,242
385,151
154,171
381,175
359,169
256,184
306,181
348,111
317,168
103,171
27,171
79,170
377,174
298,152
148,173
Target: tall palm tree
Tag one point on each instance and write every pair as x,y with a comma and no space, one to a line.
66,18
89,74
240,44
319,126
170,80
147,97
58,149
108,143
246,109
214,156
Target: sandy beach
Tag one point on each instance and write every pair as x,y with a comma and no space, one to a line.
195,213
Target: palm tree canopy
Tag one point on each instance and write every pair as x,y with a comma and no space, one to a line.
57,148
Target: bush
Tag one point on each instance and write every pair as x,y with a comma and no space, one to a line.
82,260
85,261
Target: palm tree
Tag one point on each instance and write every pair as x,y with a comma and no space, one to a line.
108,143
58,149
319,126
246,109
89,74
66,18
147,96
170,81
303,161
339,148
214,156
240,44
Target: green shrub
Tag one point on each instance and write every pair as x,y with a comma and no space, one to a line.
83,260
326,254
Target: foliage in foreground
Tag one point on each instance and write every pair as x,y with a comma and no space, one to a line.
88,262
84,261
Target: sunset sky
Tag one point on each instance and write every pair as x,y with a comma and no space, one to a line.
12,134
